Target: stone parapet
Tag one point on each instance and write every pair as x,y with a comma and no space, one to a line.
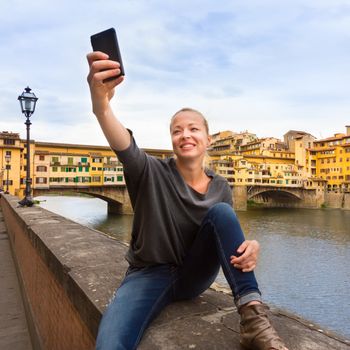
69,273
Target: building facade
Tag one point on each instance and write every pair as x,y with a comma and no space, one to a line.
59,165
242,158
329,161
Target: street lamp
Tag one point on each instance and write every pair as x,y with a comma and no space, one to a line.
7,159
27,101
2,182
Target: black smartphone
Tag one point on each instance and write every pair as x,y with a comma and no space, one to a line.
107,42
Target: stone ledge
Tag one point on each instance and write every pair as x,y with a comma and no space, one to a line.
89,266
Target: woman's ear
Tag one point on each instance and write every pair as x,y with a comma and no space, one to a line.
210,140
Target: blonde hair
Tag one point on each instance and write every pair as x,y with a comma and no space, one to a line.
187,109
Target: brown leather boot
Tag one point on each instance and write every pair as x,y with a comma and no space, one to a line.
257,333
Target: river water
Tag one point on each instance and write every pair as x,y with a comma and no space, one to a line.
304,264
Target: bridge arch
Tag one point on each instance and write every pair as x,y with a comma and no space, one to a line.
275,196
117,198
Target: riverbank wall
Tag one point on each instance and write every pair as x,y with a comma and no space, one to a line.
68,274
337,200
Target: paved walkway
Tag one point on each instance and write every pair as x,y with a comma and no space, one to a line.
14,334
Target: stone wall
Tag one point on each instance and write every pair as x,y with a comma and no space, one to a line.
66,274
239,196
337,200
346,202
69,273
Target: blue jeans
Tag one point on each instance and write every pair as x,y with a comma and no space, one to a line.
144,292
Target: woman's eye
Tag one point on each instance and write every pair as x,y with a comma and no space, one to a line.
194,129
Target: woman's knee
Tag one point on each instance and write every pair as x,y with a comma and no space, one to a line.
221,210
223,218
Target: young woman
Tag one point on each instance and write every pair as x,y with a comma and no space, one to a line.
184,228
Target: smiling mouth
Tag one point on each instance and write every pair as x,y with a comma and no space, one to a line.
187,146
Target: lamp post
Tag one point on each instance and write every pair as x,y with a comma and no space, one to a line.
7,159
2,182
27,101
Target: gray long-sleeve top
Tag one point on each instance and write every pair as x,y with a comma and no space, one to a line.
167,211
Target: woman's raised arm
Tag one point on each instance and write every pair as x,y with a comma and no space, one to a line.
102,92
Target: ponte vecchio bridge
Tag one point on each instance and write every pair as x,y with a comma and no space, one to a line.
270,196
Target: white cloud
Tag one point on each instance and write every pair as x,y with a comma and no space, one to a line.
263,66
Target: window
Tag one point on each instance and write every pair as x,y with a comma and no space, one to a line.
54,159
54,168
119,178
41,180
55,179
109,179
9,142
8,153
96,178
9,182
8,167
84,160
41,157
41,168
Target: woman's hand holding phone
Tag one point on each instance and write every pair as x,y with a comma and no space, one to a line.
101,86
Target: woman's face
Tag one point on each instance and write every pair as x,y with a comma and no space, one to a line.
189,135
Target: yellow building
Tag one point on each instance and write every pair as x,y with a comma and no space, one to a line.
263,146
12,164
245,160
228,142
59,165
330,161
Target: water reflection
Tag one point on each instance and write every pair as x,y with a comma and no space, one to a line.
304,260
118,226
331,225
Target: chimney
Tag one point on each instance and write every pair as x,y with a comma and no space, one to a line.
348,130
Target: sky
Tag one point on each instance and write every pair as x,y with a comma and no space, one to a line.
266,66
